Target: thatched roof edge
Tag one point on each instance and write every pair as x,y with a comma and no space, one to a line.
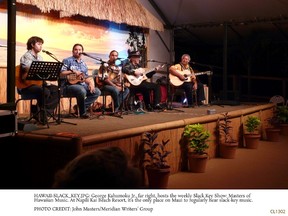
130,12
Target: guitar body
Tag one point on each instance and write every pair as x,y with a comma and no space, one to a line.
99,83
175,81
135,80
22,83
74,79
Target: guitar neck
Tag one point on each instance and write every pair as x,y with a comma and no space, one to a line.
149,71
156,68
203,73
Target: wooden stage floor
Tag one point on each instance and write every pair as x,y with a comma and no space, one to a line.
107,124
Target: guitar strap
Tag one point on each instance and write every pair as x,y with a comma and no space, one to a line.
183,68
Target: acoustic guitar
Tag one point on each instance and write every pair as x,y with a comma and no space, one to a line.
99,80
115,76
175,81
23,83
137,80
74,79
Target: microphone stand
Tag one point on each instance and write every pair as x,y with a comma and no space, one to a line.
206,65
122,81
59,120
209,78
122,90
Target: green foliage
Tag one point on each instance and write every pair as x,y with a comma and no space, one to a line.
252,124
282,114
156,152
225,128
197,137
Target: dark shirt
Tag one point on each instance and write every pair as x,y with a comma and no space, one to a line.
129,69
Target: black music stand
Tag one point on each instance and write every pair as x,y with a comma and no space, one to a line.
44,71
59,120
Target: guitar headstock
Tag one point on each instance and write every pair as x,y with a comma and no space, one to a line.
160,66
209,73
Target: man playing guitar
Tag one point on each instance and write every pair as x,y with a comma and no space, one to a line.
185,73
34,87
84,89
111,80
144,87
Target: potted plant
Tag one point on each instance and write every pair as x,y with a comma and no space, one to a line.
155,160
282,115
227,145
252,135
273,130
197,138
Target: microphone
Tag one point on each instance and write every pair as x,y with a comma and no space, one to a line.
47,52
96,58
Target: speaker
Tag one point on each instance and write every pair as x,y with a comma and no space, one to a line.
8,123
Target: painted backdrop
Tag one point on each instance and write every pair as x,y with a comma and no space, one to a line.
60,35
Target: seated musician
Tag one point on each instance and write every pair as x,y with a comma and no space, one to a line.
34,87
77,83
184,77
110,80
139,84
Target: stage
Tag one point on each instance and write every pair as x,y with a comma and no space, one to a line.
131,121
44,150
